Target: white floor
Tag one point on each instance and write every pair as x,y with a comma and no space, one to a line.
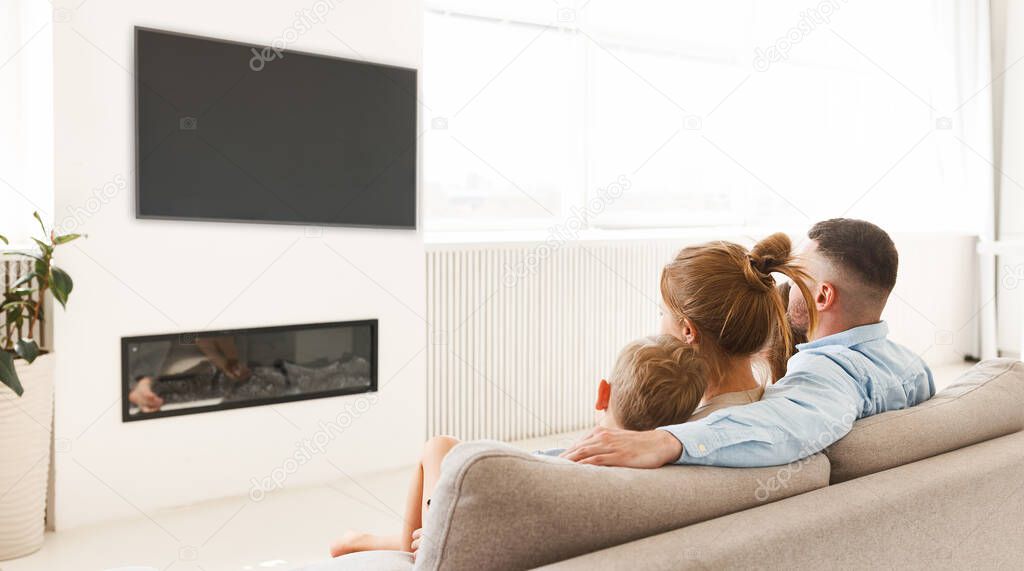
285,530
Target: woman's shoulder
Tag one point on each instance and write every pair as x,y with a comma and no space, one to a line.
726,400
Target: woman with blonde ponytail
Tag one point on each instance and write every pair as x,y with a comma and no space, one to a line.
723,299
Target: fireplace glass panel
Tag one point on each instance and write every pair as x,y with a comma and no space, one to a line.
174,374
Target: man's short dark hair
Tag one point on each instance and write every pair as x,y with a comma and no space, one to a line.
859,247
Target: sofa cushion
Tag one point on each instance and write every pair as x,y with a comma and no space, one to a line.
366,561
496,507
985,402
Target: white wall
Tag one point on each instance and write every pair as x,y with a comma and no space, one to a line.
141,276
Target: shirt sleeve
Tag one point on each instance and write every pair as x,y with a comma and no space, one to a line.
806,411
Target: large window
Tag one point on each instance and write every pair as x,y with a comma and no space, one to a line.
26,116
693,113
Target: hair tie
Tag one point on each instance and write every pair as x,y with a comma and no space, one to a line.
759,266
756,264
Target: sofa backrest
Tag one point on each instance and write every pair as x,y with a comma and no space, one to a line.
984,403
496,507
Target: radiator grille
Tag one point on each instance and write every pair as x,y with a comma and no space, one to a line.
521,334
12,268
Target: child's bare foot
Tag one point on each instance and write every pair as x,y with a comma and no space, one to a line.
350,542
353,541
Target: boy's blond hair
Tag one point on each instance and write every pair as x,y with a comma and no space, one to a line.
657,381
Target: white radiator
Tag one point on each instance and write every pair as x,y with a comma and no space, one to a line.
521,334
12,269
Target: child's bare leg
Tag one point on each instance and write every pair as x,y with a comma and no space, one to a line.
423,484
424,479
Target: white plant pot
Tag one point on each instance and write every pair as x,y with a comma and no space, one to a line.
25,440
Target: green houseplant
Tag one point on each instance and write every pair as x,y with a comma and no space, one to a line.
27,375
22,306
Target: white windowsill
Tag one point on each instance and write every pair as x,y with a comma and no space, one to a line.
483,237
19,248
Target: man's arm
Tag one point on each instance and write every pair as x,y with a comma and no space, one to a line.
804,415
806,412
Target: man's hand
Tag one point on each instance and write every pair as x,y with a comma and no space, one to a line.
628,448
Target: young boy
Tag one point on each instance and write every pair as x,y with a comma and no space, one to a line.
656,381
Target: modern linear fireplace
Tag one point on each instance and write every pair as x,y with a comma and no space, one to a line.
186,373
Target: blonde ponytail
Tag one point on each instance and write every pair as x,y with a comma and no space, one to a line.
728,294
774,254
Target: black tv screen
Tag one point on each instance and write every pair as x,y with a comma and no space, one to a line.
231,131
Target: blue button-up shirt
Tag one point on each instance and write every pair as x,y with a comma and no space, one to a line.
830,383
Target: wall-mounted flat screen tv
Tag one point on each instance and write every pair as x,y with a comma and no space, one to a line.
237,132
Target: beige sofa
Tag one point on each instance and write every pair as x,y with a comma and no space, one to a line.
940,485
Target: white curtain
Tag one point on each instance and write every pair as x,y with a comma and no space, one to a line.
965,35
26,115
1008,97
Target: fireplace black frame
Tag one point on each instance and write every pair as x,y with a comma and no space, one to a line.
126,341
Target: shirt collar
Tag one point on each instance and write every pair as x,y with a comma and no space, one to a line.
850,337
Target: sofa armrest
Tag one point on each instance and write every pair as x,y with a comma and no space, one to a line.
496,507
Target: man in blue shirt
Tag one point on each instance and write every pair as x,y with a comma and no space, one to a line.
848,370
